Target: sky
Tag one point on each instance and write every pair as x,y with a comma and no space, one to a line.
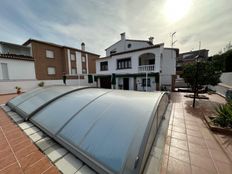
99,23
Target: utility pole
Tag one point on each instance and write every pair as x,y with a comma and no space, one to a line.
196,77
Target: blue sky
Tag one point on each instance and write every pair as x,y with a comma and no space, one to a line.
99,23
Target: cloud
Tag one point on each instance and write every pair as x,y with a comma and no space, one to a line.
99,23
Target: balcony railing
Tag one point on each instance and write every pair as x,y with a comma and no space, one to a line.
146,68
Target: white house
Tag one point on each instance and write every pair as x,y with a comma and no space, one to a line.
16,62
131,62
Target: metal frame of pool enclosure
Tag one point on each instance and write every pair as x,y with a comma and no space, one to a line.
112,131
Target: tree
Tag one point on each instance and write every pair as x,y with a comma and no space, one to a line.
199,74
223,62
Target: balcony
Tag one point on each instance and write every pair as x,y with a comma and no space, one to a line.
146,68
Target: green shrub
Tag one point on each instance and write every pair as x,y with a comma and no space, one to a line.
41,84
224,115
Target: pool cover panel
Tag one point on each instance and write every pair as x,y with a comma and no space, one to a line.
56,114
37,99
110,130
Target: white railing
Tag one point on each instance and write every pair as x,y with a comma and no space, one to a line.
146,68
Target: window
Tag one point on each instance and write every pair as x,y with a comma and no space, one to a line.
113,51
129,45
104,66
84,71
51,70
124,63
49,54
83,59
148,82
73,57
73,71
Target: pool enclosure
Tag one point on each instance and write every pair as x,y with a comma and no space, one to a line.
112,131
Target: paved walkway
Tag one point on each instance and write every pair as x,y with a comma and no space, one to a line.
190,145
17,153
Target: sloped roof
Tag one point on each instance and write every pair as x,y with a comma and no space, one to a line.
57,45
16,57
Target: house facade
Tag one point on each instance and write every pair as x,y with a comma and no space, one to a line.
53,60
16,62
137,65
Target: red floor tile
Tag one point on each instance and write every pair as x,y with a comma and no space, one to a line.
6,161
179,143
178,167
12,169
179,154
223,168
192,147
29,160
202,162
39,167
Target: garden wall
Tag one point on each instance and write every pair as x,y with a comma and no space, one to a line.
226,83
9,86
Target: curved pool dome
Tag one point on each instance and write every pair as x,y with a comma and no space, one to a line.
28,103
112,131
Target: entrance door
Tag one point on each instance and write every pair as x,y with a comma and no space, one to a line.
5,75
126,83
105,82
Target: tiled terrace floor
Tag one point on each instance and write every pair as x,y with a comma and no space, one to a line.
17,153
190,145
5,98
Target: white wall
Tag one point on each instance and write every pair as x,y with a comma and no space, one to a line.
119,80
226,83
0,48
226,78
141,88
168,66
122,46
9,86
112,62
78,62
18,69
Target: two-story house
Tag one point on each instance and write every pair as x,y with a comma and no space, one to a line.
137,65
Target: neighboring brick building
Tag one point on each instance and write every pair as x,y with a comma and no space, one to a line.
52,60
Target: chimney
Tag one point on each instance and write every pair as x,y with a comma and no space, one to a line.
83,46
151,39
123,36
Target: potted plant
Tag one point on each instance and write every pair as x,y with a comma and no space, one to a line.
41,84
18,89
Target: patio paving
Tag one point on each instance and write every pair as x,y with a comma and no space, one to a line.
17,152
190,146
5,98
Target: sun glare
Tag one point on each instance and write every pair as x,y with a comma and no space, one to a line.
177,9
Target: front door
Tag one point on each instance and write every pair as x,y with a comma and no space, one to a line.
126,83
5,75
105,82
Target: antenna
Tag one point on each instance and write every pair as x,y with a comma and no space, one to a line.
173,42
